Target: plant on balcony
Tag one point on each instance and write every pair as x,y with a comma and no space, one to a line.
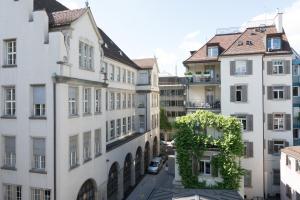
198,73
191,143
188,73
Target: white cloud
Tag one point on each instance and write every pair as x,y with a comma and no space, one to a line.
166,60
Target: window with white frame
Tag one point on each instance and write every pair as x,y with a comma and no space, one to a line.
129,101
112,100
87,153
104,67
278,67
39,101
112,72
133,100
296,70
97,142
11,52
118,74
133,123
243,120
129,124
288,161
240,67
124,127
278,121
238,93
112,129
124,75
86,56
39,154
212,51
278,92
40,194
133,78
124,100
97,100
73,151
142,122
274,43
205,166
73,101
297,166
118,129
278,145
9,151
9,101
86,100
248,178
118,101
12,192
128,76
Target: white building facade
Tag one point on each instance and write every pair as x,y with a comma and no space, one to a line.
70,126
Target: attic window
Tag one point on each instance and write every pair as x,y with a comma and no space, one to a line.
213,51
240,43
105,45
274,43
121,53
249,42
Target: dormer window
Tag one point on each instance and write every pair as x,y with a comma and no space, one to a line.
213,51
274,43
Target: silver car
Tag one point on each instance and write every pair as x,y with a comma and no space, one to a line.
155,165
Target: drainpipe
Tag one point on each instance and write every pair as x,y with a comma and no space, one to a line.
264,120
54,137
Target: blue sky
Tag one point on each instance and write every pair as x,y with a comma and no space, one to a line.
169,29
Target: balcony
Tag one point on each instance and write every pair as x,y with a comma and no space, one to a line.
200,105
296,141
206,78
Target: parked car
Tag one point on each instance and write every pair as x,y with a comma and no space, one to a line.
155,165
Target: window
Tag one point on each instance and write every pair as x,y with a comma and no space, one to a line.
124,76
112,72
243,120
39,154
98,142
124,100
104,67
278,92
129,101
274,43
278,122
142,123
11,52
296,70
129,124
98,101
118,127
133,78
73,150
86,56
124,126
248,149
118,102
288,161
40,194
39,101
141,100
278,67
86,100
238,93
9,151
288,191
277,146
133,123
86,146
240,67
73,101
212,51
295,91
133,100
297,165
9,101
12,192
205,166
248,178
112,101
106,130
128,76
118,74
112,129
276,177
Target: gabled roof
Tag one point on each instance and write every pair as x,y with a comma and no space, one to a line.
60,15
145,63
293,151
258,40
223,41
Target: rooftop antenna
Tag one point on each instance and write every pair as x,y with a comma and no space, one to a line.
87,3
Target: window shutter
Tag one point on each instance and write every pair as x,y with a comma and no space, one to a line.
39,146
269,67
249,67
287,92
249,122
270,146
287,66
287,122
232,93
250,149
232,68
286,143
244,93
270,91
270,121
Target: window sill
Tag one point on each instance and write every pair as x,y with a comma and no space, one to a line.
87,114
98,113
74,167
9,66
98,155
73,116
87,160
9,168
8,117
38,171
37,118
86,69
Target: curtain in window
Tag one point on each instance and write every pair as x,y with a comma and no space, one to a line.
73,143
39,146
39,95
10,145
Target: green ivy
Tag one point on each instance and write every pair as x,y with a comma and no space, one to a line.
193,144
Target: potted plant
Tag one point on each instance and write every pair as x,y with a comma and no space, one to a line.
188,74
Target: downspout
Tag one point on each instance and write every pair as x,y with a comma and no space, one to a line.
54,137
264,121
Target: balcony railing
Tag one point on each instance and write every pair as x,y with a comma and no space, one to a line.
202,79
296,141
203,105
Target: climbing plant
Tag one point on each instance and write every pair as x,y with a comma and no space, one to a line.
192,140
164,122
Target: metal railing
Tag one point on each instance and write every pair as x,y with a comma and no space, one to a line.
203,79
203,105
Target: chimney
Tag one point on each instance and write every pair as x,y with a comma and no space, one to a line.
278,22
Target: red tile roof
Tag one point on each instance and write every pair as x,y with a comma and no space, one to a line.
145,63
223,41
258,40
66,17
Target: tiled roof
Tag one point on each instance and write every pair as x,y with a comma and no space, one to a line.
293,151
145,63
66,17
258,40
223,41
60,15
